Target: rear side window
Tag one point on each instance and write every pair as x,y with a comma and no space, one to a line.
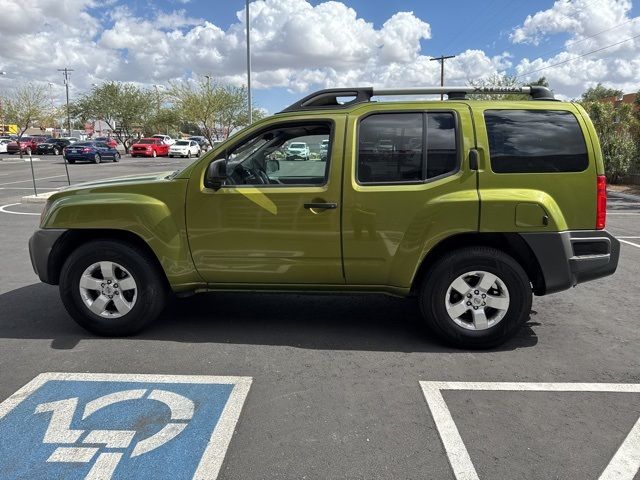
406,147
535,141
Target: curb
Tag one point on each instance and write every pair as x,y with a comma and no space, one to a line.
626,196
40,198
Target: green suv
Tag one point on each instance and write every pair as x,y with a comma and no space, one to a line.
470,205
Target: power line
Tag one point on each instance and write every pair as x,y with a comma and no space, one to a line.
576,58
587,38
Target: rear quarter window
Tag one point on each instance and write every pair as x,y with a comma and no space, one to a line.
535,141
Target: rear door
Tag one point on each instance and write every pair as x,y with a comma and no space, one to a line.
407,186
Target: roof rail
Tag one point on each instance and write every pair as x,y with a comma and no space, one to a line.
328,98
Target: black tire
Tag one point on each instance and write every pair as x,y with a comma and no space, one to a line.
151,291
97,159
116,157
433,295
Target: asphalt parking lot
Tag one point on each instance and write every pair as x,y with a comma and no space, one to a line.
335,386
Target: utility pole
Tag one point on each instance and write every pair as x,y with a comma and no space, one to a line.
248,61
441,59
65,73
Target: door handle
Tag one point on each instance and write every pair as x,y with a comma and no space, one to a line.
321,206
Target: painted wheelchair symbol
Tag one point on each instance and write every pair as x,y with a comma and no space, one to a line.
59,430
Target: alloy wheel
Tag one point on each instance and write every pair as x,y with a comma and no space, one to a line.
108,289
477,300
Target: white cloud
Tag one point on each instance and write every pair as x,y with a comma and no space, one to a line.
297,46
592,26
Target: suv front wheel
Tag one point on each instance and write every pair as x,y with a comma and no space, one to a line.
476,297
112,288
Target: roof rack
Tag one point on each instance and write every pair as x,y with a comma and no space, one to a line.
329,98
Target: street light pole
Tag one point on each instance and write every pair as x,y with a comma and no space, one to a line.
66,71
2,125
248,61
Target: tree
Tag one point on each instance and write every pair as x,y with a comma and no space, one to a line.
600,92
615,127
165,120
124,107
27,105
503,81
217,109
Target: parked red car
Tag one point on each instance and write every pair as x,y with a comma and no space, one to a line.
149,147
108,140
25,145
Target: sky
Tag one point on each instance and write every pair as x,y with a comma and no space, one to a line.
299,46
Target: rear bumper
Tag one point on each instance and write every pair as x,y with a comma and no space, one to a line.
87,157
41,244
569,258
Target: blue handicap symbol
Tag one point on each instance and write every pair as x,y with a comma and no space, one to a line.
90,429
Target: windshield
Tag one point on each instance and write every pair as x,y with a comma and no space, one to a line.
182,143
147,141
84,144
298,145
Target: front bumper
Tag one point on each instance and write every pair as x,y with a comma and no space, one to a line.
41,244
569,258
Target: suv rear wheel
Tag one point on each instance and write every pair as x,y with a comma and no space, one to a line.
112,288
476,297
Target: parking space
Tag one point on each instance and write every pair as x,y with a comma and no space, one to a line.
50,173
336,387
130,426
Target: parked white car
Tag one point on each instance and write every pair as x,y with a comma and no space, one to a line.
184,148
3,145
298,150
166,139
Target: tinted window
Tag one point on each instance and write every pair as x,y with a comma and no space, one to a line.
535,141
391,147
442,153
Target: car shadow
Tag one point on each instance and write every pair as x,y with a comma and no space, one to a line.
311,321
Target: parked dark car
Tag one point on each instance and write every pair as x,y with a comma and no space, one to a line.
201,141
90,152
52,145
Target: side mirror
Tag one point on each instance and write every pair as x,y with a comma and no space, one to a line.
216,174
273,166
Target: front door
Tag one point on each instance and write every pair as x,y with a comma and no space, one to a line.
276,220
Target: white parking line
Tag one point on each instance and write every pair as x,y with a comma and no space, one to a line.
31,180
630,243
3,209
623,466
